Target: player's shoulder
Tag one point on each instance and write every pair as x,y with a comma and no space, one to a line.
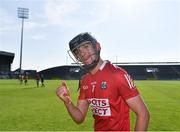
84,76
116,69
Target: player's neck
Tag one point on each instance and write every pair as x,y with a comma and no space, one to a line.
97,67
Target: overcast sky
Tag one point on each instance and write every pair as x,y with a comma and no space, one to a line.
128,30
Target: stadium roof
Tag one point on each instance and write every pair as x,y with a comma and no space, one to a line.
6,53
6,57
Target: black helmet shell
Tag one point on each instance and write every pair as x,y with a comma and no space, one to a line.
80,38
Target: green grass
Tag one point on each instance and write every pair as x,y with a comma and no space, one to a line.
27,108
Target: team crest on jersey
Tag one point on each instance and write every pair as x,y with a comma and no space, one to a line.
103,84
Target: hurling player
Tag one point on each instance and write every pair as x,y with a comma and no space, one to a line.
109,90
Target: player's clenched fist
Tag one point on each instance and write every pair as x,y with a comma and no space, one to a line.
63,93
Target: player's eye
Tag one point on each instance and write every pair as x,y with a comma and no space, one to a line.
76,53
86,46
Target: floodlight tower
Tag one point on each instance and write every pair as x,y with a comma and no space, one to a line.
23,13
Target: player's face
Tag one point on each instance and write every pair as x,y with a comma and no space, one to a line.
85,53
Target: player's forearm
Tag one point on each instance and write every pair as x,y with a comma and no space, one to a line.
142,121
75,113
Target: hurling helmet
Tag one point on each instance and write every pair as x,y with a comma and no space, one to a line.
80,39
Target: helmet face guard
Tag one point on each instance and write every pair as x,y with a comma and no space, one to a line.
84,40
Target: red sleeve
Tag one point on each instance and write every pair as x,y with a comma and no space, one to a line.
126,86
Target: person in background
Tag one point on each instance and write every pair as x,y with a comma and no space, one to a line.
42,80
25,78
37,79
21,79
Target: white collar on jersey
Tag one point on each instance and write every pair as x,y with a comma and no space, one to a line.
102,66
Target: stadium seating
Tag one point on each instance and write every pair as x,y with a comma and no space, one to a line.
164,72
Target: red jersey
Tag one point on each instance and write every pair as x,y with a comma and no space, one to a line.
107,91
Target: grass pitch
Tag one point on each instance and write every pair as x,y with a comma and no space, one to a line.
28,108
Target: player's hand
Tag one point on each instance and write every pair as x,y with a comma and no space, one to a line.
63,93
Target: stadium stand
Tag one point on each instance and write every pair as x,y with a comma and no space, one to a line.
138,71
63,72
6,59
160,71
30,73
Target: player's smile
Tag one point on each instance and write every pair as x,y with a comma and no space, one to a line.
88,59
